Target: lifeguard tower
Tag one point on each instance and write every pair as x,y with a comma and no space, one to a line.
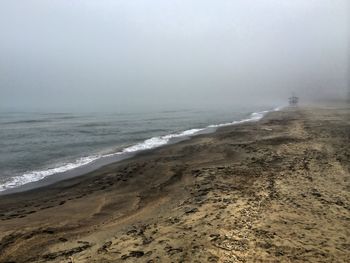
293,101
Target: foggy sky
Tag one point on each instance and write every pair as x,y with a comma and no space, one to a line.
112,54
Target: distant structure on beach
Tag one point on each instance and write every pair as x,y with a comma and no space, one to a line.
293,101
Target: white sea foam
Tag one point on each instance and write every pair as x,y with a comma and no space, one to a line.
159,141
255,116
148,144
34,176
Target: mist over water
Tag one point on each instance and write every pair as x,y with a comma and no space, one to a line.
134,55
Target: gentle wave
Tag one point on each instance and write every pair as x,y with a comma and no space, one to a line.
148,144
253,117
158,141
34,176
26,121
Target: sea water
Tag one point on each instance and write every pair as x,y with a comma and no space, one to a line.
38,145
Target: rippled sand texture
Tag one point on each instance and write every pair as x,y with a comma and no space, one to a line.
273,191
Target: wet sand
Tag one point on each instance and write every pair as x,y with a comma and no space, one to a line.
273,191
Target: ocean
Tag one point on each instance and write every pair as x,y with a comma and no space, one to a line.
38,146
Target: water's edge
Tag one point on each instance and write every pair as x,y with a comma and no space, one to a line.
36,179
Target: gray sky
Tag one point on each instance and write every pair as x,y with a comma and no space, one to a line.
110,54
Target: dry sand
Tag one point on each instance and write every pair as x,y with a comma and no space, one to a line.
273,191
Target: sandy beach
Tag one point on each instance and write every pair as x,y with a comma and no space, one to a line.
277,190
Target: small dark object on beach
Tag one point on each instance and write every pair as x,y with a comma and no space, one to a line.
49,230
136,254
105,247
190,210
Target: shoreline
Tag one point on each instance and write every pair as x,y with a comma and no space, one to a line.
272,190
125,154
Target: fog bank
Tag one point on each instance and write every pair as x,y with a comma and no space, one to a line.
112,55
